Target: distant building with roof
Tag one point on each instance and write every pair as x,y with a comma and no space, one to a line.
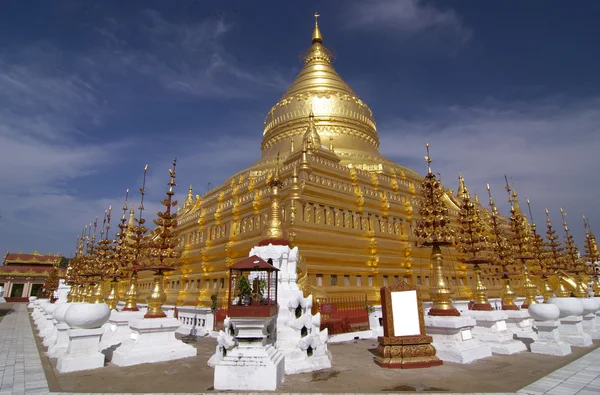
23,275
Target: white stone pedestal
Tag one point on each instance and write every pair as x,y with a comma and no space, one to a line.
453,339
47,327
152,340
251,365
82,352
118,332
62,341
549,340
31,304
591,325
51,338
519,322
491,329
571,331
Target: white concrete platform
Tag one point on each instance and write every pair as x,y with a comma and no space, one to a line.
453,339
152,340
19,358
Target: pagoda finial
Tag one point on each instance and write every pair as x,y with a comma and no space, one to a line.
317,37
189,200
428,160
292,146
462,189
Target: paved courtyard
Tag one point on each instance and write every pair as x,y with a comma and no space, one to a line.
25,370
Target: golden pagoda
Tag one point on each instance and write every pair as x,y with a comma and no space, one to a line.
348,209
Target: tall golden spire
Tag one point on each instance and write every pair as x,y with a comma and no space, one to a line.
576,266
317,37
592,253
540,257
432,230
557,258
520,239
503,256
471,240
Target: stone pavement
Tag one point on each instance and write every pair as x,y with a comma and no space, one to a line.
21,370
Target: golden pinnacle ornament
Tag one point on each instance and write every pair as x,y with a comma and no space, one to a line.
503,256
432,230
164,253
137,249
557,259
575,265
520,240
593,255
540,258
471,241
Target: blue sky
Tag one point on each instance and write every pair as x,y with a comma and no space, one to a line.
92,91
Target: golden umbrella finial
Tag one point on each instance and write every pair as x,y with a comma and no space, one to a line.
428,159
317,37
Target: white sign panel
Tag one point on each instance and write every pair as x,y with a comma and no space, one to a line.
405,313
466,334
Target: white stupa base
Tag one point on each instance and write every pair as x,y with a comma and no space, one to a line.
571,331
520,323
152,340
591,326
549,340
453,339
491,329
48,327
297,361
250,367
50,340
82,352
31,305
306,353
62,341
118,332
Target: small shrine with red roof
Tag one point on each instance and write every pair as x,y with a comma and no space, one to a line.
23,275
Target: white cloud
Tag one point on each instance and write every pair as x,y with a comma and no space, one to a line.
41,114
187,58
548,148
406,17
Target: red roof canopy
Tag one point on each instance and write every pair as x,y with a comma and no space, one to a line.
34,258
253,262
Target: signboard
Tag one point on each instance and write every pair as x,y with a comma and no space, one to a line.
405,313
404,344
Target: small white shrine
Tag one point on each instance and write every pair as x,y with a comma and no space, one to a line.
249,360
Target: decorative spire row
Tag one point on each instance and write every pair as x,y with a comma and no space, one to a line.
132,249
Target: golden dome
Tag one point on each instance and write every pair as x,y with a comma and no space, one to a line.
338,112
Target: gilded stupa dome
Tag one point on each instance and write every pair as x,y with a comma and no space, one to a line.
338,112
